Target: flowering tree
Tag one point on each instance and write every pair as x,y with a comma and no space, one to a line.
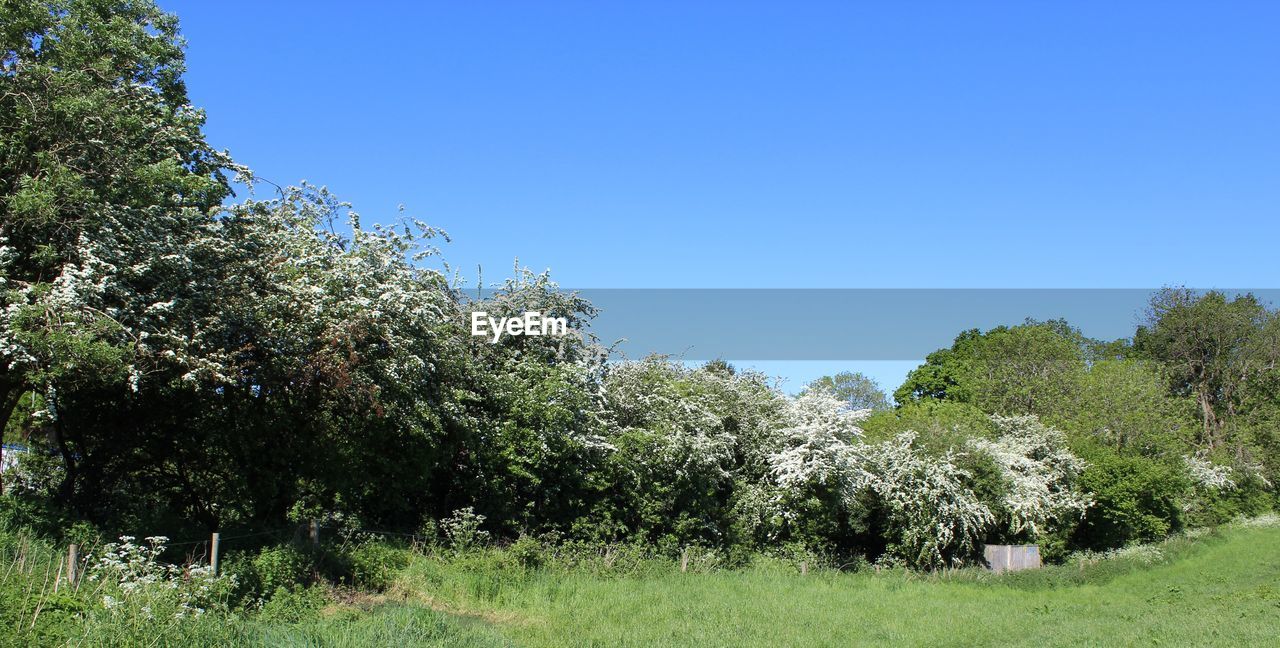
105,180
682,436
1041,474
821,447
932,517
935,518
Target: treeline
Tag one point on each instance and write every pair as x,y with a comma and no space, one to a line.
183,356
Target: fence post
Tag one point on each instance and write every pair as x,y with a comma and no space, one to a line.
213,553
73,557
315,532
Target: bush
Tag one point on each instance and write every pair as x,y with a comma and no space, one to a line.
1246,496
527,552
1136,499
374,565
293,605
280,567
30,496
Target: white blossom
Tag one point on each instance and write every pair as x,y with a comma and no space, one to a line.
1041,471
1208,475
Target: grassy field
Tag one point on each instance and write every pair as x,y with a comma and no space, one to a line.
1216,588
1219,589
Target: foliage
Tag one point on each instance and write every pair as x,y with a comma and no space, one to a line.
679,436
106,182
1213,348
854,388
374,564
941,424
293,605
1136,499
1125,404
937,520
1041,473
274,568
1033,368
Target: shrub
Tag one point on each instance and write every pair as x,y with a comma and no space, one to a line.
287,605
283,566
935,519
1136,499
527,552
1041,473
374,564
1221,493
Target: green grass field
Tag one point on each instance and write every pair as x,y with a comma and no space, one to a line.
1219,589
1216,588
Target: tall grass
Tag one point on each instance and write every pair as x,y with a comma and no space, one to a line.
37,604
1213,589
41,606
1207,588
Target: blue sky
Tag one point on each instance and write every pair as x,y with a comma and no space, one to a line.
742,144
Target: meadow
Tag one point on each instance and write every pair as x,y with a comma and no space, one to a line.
1207,587
1217,589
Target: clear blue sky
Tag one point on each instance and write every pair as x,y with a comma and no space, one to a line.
787,144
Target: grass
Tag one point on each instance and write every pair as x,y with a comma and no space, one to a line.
1217,588
387,625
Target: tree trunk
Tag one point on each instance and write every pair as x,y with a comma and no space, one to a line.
1210,417
10,395
67,489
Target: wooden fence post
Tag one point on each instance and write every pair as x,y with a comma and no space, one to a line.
73,557
213,553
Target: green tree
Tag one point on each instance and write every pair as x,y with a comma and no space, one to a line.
1032,368
1124,404
102,164
1213,348
854,388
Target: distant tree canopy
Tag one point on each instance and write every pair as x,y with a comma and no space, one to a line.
1031,368
1199,380
859,391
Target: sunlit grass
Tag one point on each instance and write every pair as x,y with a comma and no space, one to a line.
1220,589
1214,588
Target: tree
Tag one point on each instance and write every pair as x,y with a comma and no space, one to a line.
1125,404
853,388
1041,473
103,167
1213,348
1032,368
945,374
